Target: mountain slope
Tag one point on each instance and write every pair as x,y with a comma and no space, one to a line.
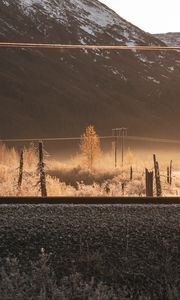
170,38
58,92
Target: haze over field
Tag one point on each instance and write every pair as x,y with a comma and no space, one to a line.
74,176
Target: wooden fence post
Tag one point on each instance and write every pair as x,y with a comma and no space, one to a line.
131,173
123,187
21,166
42,171
170,173
149,183
157,177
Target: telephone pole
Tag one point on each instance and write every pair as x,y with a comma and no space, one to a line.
119,133
115,135
123,134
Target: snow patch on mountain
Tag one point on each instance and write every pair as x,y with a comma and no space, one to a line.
6,2
87,29
93,17
54,9
31,2
94,13
153,79
87,11
171,68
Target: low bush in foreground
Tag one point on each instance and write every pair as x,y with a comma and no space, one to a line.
40,283
93,252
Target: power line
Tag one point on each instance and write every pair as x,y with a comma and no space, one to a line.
149,139
48,139
131,138
102,47
41,139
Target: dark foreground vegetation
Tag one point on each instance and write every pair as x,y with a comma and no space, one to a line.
89,252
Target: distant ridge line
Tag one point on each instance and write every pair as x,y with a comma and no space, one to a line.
103,47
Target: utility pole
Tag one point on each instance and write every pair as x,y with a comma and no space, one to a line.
123,134
117,133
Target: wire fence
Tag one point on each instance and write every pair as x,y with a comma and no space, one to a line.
116,181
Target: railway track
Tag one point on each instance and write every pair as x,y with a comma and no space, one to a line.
90,200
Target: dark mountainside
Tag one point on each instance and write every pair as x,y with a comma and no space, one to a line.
59,92
170,38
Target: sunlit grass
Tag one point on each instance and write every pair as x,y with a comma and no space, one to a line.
72,178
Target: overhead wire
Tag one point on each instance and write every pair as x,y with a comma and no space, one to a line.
80,46
130,138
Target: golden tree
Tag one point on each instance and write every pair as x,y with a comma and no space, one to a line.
90,146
